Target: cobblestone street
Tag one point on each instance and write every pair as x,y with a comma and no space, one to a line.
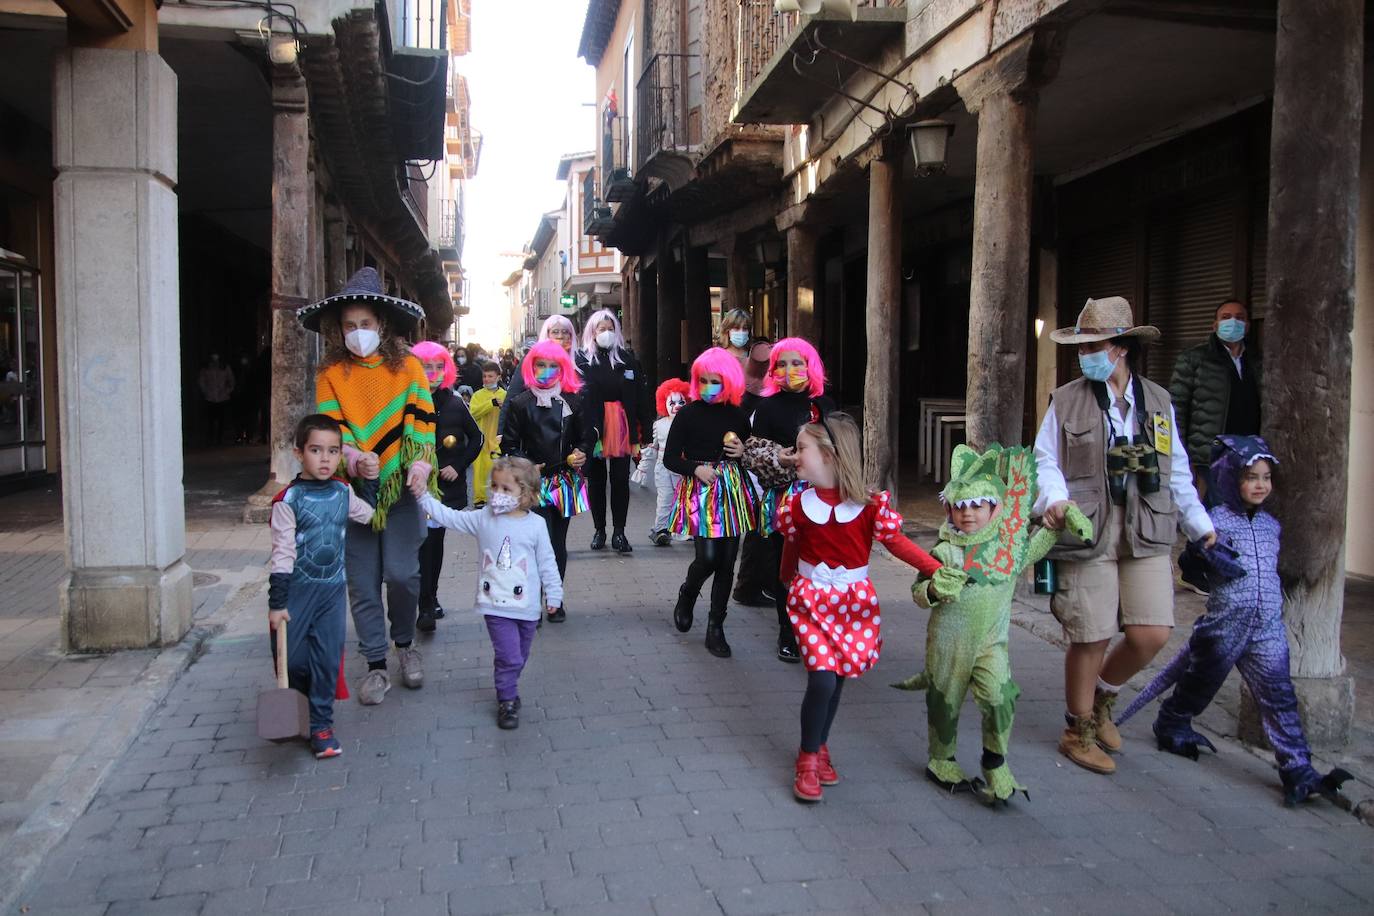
647,776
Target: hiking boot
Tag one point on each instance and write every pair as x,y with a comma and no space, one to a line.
324,744
1079,744
599,540
425,621
1107,734
715,641
412,674
373,687
824,771
508,714
807,787
620,543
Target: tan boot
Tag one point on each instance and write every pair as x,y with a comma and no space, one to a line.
1107,735
1079,744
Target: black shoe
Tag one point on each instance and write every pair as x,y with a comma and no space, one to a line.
599,540
620,543
425,622
752,598
787,652
508,714
682,613
715,640
558,616
438,612
660,538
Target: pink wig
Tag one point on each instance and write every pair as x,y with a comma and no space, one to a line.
725,364
428,349
556,321
551,349
815,369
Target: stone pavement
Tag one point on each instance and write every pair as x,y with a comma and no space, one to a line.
649,777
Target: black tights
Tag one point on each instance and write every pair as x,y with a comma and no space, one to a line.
596,471
823,689
558,535
772,558
714,557
431,564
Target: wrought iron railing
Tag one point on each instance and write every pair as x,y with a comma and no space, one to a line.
616,181
661,102
418,23
451,226
761,32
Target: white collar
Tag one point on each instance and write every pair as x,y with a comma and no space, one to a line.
819,511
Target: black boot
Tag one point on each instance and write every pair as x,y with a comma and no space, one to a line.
620,543
424,622
787,649
715,637
599,539
682,613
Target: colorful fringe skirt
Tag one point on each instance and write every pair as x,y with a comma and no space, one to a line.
724,508
615,433
773,498
565,490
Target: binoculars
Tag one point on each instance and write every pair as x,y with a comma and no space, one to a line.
1124,459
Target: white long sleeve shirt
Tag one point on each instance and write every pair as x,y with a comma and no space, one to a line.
1193,518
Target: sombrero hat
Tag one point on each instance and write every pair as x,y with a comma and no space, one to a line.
364,287
1104,319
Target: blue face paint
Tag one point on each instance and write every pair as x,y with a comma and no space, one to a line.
710,391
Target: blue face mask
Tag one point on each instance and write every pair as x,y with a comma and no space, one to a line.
710,392
739,338
1096,367
1231,330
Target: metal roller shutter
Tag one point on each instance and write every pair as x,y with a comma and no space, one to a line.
1094,266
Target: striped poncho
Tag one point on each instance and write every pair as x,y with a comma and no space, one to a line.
389,412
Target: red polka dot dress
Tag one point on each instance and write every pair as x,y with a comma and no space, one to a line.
831,604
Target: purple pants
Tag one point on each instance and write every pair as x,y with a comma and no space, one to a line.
510,640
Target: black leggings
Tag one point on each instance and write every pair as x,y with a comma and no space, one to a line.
823,689
596,470
431,564
558,535
772,561
714,557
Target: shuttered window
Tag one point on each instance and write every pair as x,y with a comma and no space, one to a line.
1095,266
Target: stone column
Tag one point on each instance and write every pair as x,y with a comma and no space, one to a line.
883,313
293,197
647,329
629,302
1314,158
669,308
696,299
803,315
119,350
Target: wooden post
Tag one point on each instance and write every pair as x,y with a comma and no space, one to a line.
647,328
1313,196
696,301
669,308
803,316
737,293
629,301
883,312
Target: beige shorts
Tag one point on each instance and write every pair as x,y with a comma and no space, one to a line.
1097,598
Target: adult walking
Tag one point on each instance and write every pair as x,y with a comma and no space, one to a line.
616,403
216,381
376,388
559,329
458,441
1108,445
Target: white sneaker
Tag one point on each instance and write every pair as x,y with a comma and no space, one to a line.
412,674
374,686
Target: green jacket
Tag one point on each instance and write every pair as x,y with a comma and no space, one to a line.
1201,392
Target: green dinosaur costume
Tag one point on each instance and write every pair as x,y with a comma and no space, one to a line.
966,639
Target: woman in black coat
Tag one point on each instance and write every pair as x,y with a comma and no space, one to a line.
619,407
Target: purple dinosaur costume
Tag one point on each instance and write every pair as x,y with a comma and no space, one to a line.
1243,628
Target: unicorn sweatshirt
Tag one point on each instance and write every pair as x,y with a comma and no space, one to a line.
517,559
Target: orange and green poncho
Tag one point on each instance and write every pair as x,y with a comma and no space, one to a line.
382,410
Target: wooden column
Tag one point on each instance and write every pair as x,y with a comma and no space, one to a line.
647,329
670,308
737,292
1313,196
803,317
629,301
696,301
883,312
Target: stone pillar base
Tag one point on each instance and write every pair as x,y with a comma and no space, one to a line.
258,509
1327,707
107,609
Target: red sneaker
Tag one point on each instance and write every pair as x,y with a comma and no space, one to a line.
807,787
824,771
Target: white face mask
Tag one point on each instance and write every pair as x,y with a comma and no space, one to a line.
362,342
605,339
501,503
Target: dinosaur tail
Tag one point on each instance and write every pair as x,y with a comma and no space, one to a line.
1162,682
918,681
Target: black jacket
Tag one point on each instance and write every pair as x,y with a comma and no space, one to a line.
457,443
470,374
779,416
623,382
544,435
1204,390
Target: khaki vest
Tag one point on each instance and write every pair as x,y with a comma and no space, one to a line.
1150,521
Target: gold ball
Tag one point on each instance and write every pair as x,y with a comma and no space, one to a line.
449,441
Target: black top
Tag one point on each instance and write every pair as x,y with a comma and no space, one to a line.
470,374
780,416
1243,407
623,382
454,420
544,435
698,433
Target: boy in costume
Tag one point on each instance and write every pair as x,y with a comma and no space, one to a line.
987,536
1243,627
671,396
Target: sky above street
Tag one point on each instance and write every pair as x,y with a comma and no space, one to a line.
528,88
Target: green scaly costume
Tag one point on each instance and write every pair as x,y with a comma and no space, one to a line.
966,639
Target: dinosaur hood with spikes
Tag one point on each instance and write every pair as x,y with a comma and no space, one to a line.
974,480
1004,478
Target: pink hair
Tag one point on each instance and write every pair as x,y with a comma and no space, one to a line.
428,349
671,386
551,349
717,361
815,369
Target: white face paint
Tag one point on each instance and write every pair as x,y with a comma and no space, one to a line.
362,342
675,402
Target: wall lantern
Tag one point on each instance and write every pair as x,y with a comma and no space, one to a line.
929,140
283,50
771,250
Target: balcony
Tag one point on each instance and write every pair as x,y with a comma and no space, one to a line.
449,239
664,145
776,87
615,166
416,53
596,216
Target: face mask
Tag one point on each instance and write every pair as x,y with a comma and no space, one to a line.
501,503
739,338
1231,330
462,360
362,342
491,387
793,378
710,392
435,378
605,340
1097,367
545,377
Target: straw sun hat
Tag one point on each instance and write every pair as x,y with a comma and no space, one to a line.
1104,319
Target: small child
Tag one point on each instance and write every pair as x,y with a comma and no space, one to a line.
517,560
1243,628
306,582
486,410
671,397
828,530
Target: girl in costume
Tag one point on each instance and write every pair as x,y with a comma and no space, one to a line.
670,397
832,606
1243,627
376,389
793,395
544,425
486,410
458,441
616,403
714,502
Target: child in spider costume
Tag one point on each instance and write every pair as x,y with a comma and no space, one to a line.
987,537
1243,628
